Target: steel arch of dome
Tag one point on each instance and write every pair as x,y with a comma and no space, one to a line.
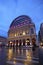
23,19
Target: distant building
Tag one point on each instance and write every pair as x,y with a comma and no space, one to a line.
22,31
41,33
39,37
3,40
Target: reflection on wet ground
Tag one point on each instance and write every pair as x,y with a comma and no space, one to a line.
41,55
19,56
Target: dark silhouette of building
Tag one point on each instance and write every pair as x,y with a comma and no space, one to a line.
40,34
3,40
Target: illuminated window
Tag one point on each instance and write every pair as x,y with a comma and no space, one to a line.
23,33
10,42
15,35
27,40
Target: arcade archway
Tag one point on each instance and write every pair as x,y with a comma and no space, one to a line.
28,42
34,41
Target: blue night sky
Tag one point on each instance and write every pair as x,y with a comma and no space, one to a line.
10,9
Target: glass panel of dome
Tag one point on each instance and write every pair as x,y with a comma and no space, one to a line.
20,21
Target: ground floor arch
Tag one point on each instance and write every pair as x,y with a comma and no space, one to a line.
34,41
22,42
28,41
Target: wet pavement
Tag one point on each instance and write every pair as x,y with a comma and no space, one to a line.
19,56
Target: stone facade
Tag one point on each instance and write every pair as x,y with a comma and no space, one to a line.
22,31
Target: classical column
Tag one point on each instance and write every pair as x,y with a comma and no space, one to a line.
15,43
26,43
23,42
30,41
20,42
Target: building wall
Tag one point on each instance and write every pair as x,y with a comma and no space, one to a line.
23,31
41,32
3,40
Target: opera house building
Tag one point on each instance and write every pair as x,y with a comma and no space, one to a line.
22,31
